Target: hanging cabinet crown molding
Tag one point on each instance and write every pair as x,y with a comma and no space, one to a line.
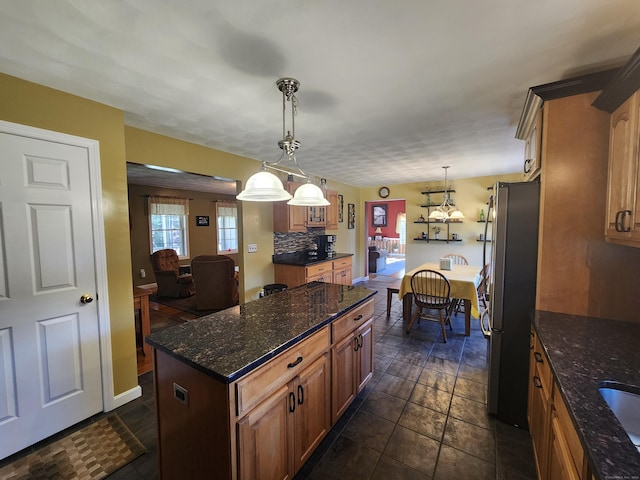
531,121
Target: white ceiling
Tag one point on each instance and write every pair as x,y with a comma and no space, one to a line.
391,90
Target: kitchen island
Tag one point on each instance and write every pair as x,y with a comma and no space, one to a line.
251,391
583,352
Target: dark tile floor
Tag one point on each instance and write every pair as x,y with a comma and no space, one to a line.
422,416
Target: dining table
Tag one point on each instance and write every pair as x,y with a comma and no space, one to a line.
464,281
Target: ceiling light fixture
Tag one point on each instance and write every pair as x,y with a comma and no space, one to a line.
446,211
264,186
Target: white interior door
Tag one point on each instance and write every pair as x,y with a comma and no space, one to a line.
50,375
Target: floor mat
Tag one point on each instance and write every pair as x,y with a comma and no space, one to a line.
91,453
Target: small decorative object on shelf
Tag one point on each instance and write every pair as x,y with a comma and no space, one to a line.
482,215
421,219
436,232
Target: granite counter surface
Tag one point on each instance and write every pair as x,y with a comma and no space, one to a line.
583,352
302,259
231,343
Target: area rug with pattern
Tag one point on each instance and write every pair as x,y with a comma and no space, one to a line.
91,453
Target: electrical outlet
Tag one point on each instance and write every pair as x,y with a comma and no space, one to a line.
143,274
253,247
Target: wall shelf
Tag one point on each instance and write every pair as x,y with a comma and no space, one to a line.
418,239
444,225
438,191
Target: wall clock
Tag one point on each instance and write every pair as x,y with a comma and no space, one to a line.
383,192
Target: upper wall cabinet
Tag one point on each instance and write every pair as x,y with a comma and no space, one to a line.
289,218
530,130
621,98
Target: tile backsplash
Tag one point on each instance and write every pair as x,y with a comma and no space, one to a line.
294,242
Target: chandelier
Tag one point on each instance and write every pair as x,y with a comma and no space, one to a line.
264,186
446,211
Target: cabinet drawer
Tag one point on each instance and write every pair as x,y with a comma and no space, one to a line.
342,263
318,269
258,385
568,430
344,325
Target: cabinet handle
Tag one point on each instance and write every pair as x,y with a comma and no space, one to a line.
617,221
538,357
358,318
359,341
356,347
536,382
293,364
292,402
527,165
300,395
625,213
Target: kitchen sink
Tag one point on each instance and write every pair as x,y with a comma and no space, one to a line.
624,401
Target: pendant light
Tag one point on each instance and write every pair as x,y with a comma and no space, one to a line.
446,211
264,186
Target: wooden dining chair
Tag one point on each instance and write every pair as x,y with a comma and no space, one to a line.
483,286
457,259
431,291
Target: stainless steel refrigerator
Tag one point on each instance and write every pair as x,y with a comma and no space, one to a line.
512,298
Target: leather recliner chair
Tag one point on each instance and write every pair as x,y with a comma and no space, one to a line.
216,282
377,259
166,270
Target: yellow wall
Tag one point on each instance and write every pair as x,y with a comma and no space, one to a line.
38,106
471,195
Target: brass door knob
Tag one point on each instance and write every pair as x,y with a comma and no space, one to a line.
86,298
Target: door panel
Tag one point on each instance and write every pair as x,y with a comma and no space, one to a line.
49,341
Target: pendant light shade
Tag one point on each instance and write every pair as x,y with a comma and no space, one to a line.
264,187
446,211
308,195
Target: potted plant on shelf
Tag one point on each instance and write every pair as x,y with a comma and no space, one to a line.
436,232
394,248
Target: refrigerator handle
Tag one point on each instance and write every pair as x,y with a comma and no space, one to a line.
485,318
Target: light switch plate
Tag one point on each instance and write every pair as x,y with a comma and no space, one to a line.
253,247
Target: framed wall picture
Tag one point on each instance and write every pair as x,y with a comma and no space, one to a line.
340,208
202,220
351,215
379,215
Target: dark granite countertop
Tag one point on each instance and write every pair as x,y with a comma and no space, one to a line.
302,259
231,343
583,352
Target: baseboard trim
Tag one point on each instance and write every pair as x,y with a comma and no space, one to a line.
126,397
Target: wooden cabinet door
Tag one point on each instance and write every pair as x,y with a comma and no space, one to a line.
312,411
623,170
343,375
265,438
532,150
364,366
539,427
323,277
288,218
332,210
560,461
342,277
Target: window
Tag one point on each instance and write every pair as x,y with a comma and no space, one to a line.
227,215
168,224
